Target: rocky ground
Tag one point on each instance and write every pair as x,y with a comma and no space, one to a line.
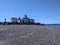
29,35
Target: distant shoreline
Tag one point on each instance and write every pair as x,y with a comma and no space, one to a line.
53,25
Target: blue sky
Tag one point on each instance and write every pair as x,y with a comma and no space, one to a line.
44,11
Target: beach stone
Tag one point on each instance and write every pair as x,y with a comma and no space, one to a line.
29,35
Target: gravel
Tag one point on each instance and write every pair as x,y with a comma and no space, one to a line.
29,35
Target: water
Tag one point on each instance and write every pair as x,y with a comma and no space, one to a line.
53,25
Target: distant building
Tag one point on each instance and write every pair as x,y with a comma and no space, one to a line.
13,19
24,20
27,20
19,20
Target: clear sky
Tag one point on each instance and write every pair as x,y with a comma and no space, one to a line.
44,11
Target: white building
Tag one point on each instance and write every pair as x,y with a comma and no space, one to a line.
25,19
13,19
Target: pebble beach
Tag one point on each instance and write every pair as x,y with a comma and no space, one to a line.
29,35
